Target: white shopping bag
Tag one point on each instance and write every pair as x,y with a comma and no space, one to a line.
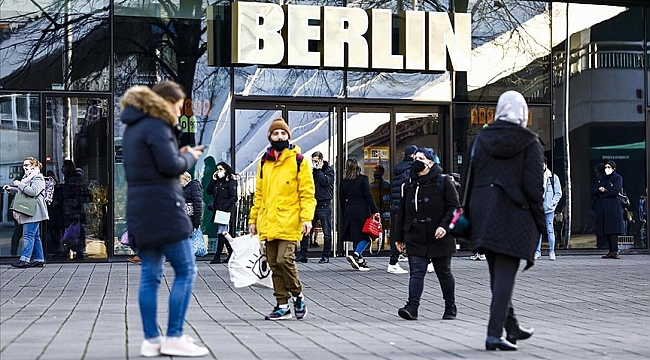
247,264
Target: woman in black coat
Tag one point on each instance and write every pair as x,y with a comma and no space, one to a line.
193,199
427,204
608,212
505,209
223,188
356,206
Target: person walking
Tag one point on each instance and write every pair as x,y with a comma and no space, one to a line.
400,175
157,223
608,212
193,206
505,209
32,184
356,206
426,207
552,196
282,212
323,175
223,188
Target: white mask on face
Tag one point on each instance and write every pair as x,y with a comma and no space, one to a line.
609,171
221,174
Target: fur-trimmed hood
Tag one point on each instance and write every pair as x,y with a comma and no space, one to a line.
140,101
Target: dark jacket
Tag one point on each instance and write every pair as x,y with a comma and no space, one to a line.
324,183
356,206
436,200
153,165
192,194
608,212
224,197
400,173
506,191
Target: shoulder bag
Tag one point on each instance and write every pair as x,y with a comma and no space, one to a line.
459,226
24,204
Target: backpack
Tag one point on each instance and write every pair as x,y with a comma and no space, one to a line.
48,192
299,158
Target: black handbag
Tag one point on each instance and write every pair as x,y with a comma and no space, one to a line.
623,199
460,226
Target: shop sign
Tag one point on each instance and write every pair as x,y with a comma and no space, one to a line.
348,38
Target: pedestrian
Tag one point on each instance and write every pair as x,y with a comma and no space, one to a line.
32,185
643,218
505,209
223,188
608,212
157,223
323,175
356,206
400,174
192,192
427,205
552,196
282,212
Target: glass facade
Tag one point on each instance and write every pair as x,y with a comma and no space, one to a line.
65,64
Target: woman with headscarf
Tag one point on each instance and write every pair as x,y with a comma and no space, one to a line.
608,212
427,204
32,184
505,209
223,188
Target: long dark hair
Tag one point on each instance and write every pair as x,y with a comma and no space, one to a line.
169,91
352,169
229,173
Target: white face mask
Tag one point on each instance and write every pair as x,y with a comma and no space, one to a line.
221,174
609,171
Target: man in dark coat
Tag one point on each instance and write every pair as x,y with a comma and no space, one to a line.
505,209
608,212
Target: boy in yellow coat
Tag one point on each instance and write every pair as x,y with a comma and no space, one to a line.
283,208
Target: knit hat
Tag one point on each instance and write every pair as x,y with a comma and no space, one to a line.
279,123
410,150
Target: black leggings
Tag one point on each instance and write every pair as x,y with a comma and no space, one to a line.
503,270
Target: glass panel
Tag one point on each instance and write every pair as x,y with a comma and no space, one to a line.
367,139
53,45
511,42
253,80
19,136
606,119
76,149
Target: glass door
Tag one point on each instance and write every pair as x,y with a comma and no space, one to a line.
76,157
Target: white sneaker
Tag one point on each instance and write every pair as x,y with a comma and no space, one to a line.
396,269
182,346
481,257
477,257
148,349
430,268
539,255
551,256
402,258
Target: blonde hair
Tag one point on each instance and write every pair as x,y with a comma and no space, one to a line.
186,177
34,162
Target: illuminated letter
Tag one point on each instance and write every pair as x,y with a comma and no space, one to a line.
256,33
442,39
298,34
344,26
412,45
381,41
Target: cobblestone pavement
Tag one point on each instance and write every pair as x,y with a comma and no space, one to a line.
582,307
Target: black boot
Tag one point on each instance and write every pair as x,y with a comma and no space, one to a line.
519,334
408,312
450,311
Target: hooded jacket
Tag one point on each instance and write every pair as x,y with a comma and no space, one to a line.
552,191
400,173
153,165
284,196
506,192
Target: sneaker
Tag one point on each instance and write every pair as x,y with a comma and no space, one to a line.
20,264
481,257
182,346
149,349
551,256
476,257
403,257
37,264
279,313
537,255
396,269
324,260
352,259
363,265
299,307
430,268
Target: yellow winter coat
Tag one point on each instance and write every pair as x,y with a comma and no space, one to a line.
284,197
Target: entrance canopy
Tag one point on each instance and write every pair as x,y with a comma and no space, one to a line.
632,151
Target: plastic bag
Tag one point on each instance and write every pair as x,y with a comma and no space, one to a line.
247,264
198,243
72,235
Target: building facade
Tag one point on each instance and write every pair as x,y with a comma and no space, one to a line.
65,63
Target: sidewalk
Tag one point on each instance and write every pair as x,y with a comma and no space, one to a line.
582,307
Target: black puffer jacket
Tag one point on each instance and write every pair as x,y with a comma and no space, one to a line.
400,173
224,196
153,164
192,194
428,203
506,194
324,182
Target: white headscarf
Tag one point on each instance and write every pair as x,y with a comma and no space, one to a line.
512,108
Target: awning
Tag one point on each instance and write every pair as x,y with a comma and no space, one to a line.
633,151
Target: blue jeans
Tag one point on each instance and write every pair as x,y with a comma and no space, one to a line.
550,231
181,258
361,247
32,244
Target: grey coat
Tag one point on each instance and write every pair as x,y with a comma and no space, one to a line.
34,188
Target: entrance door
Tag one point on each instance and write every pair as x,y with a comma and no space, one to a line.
77,159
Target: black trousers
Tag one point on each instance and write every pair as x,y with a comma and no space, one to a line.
323,212
612,242
503,270
418,266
